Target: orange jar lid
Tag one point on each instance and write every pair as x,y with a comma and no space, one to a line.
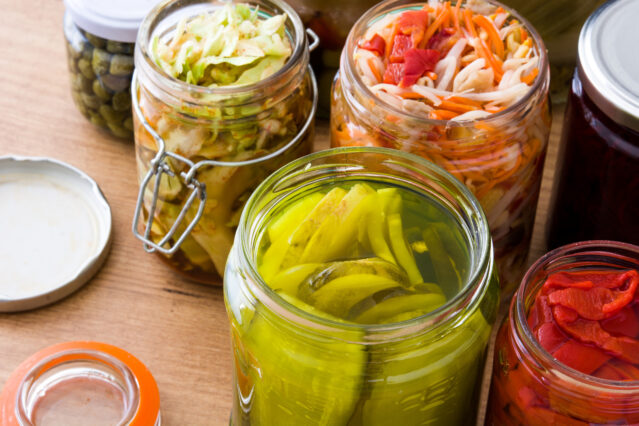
94,382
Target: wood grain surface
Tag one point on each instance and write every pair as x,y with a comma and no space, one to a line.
178,328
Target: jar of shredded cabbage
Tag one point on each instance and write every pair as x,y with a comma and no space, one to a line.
360,291
223,95
464,86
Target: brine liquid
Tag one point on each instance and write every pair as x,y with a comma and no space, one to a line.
364,252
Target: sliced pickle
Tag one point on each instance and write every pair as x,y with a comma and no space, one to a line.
293,216
401,249
394,306
290,279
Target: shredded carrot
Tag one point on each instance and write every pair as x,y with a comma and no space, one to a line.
432,75
434,26
443,114
456,16
448,17
389,43
374,70
493,35
523,34
454,106
463,100
411,95
528,79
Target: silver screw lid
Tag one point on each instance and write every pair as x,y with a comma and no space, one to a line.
608,60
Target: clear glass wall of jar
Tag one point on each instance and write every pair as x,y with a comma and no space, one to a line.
223,141
500,158
292,367
529,386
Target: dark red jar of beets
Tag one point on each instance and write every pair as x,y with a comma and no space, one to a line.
568,351
596,194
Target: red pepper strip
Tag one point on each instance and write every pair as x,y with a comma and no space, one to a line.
627,371
526,397
544,311
394,73
585,279
609,373
580,357
377,44
587,303
439,39
623,323
550,336
417,62
538,416
622,298
401,43
587,331
413,23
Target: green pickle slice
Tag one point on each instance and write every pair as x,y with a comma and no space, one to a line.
364,253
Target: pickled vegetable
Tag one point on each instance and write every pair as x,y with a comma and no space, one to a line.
233,45
321,255
464,86
100,73
588,321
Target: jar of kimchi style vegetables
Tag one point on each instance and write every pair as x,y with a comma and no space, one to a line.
568,352
223,95
464,86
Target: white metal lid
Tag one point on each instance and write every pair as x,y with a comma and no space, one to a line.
56,231
609,60
116,20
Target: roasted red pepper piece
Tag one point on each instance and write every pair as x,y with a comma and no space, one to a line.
585,279
418,62
581,357
623,297
623,323
550,336
377,44
413,23
439,40
401,43
394,73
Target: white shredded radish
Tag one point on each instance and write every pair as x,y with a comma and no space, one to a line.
428,93
426,81
500,19
471,115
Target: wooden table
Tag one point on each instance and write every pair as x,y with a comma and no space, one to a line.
178,328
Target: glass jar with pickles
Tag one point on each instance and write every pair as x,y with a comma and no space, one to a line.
568,352
100,39
223,96
361,291
464,86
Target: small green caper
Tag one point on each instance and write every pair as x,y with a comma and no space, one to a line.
87,53
100,61
121,65
118,130
95,40
81,83
74,51
91,101
97,119
73,67
111,115
99,90
128,123
115,83
85,69
121,101
118,47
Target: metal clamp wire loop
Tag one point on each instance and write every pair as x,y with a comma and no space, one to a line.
159,166
315,40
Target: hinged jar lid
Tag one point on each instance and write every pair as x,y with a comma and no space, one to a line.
56,231
116,20
608,60
87,383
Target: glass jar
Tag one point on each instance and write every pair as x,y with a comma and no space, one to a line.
331,21
100,39
80,383
529,386
212,144
597,186
294,367
500,158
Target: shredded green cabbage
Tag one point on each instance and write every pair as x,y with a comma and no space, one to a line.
231,46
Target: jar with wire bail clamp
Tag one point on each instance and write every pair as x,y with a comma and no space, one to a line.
223,96
464,86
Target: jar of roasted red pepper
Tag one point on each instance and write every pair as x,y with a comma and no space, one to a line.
568,353
464,86
597,190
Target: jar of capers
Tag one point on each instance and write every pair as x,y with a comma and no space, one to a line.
100,36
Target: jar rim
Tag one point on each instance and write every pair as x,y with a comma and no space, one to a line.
164,9
348,66
518,312
469,295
